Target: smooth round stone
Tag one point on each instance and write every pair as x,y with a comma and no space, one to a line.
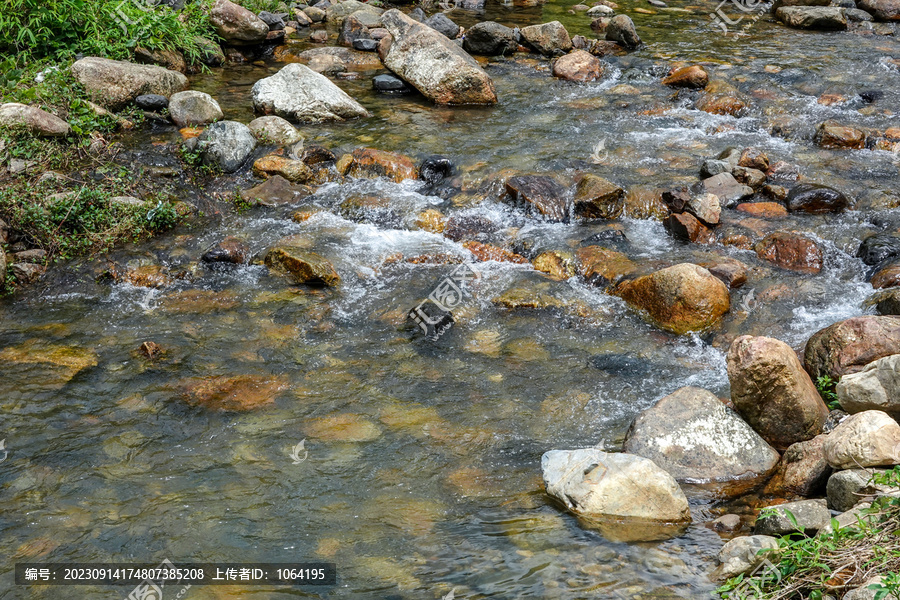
389,84
365,44
151,102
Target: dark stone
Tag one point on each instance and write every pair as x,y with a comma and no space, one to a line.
230,250
314,154
417,14
275,21
676,200
490,39
604,237
468,228
152,102
886,302
620,365
351,30
442,24
365,44
621,30
435,169
816,199
539,195
390,84
878,248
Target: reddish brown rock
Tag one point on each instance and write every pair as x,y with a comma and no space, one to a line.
230,250
370,163
304,266
486,252
732,272
554,264
578,66
680,299
764,210
803,470
694,77
770,389
645,203
848,346
538,194
791,250
233,393
889,276
685,226
753,158
598,198
831,134
602,266
292,170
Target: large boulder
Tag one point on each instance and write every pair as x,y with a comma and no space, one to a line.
32,119
226,145
115,83
810,516
194,108
876,387
549,39
236,25
433,64
882,10
770,389
691,434
490,39
299,93
594,483
848,346
867,439
680,299
824,18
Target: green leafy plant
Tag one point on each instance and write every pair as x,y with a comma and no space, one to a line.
825,385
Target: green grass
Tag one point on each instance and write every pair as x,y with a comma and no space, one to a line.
825,385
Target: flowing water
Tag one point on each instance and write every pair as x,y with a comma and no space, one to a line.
423,467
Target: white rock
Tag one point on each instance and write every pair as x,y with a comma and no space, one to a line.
297,92
194,108
867,439
876,387
275,130
741,555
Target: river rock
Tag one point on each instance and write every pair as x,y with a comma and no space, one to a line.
594,483
273,164
770,389
337,12
810,515
685,226
274,130
791,250
680,299
691,434
848,346
555,265
752,177
236,25
867,439
299,93
369,162
114,83
232,393
226,145
879,248
803,470
192,108
275,21
2,261
352,31
601,266
490,39
876,387
275,191
882,10
152,102
578,66
865,591
816,199
304,266
433,64
849,487
598,198
832,134
743,554
390,84
824,18
621,30
231,250
705,207
442,24
32,119
693,77
549,39
170,59
538,194
487,252
726,188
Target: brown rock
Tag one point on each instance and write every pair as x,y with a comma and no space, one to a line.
791,250
728,103
831,134
578,66
752,177
370,163
305,266
170,59
645,203
602,266
753,158
782,171
32,119
889,276
151,350
431,220
230,250
685,226
554,264
778,193
233,393
694,77
487,252
680,299
538,194
598,198
803,470
293,170
764,210
732,272
848,346
275,191
550,39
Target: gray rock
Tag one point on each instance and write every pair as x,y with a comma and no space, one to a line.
811,516
490,39
727,188
315,14
727,523
691,434
152,102
601,10
274,130
31,118
549,39
26,273
713,167
114,83
226,145
299,93
882,10
275,21
858,16
863,592
742,555
867,439
236,25
705,207
336,13
848,488
194,108
442,24
849,518
365,45
824,18
876,387
127,201
2,263
622,31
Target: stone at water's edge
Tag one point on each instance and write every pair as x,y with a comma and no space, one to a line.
299,93
490,39
691,434
770,389
31,118
810,516
883,10
274,130
876,387
816,199
192,108
230,250
434,65
578,66
305,266
848,488
621,29
848,346
743,554
681,299
831,134
594,483
369,162
601,266
236,25
791,250
694,77
803,470
293,170
539,195
598,198
825,18
549,39
275,191
115,83
867,439
226,145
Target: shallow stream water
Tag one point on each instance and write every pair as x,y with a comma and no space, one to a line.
423,466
